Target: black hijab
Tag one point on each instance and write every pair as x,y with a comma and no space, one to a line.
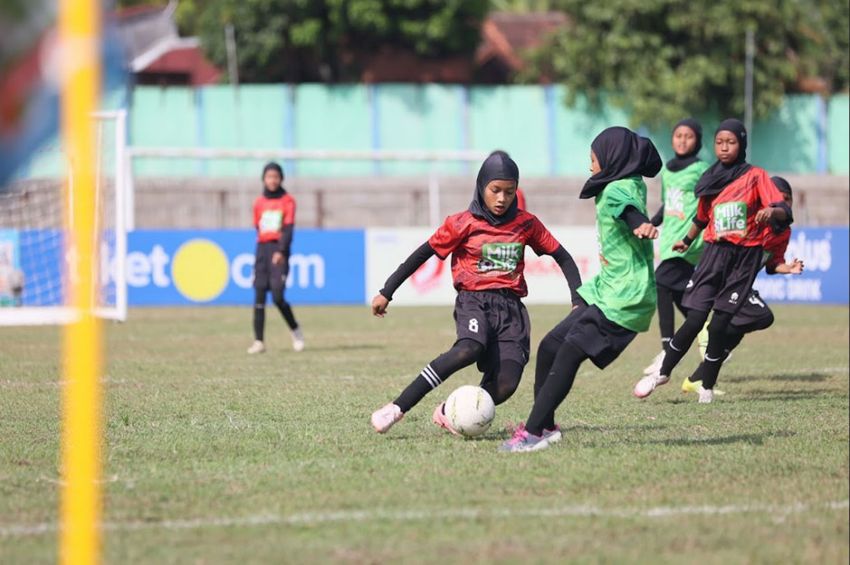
498,166
718,176
272,166
621,153
680,162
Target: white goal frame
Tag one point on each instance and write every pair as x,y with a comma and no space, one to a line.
60,315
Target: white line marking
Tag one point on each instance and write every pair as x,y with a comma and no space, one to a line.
344,516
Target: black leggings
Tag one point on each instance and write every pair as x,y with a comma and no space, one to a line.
500,383
557,365
681,342
667,297
260,310
732,338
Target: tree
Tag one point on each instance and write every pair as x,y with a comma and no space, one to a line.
310,40
664,59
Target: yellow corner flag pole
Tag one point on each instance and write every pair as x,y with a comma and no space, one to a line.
79,33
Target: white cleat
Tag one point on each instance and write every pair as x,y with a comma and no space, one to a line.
706,395
649,383
297,340
257,347
385,417
655,366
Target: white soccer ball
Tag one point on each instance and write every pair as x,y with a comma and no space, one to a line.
470,410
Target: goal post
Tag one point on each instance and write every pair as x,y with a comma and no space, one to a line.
34,261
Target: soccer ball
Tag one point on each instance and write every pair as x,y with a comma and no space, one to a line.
470,410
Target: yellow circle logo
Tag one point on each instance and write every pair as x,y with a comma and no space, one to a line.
200,270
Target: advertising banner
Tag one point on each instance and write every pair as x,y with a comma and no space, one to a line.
168,267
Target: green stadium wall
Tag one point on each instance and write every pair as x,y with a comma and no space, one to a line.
807,134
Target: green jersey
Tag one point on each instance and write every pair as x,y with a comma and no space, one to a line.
624,289
680,208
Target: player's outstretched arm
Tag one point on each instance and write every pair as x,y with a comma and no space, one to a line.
795,267
416,259
639,223
685,243
568,266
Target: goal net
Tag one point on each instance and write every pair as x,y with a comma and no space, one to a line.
34,248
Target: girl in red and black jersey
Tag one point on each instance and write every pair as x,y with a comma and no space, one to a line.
274,220
755,315
738,205
487,244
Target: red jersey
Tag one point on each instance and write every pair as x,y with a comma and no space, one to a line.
271,214
488,257
775,245
730,214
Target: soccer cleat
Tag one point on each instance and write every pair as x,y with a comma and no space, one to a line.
297,340
524,441
385,417
257,347
655,366
649,383
553,435
688,386
706,395
439,418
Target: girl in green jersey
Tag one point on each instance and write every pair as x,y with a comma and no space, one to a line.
616,304
679,176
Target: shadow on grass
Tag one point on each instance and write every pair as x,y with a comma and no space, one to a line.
794,394
752,439
351,347
784,377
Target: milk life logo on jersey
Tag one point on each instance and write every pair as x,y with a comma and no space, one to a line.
500,257
730,218
674,203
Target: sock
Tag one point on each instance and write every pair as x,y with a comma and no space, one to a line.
681,342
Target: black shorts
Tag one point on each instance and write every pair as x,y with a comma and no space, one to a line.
753,313
498,320
268,276
674,274
587,328
724,278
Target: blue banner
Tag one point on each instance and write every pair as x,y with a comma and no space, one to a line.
824,251
170,267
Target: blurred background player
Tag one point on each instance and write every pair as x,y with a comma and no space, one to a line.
755,314
738,206
618,302
679,176
274,219
487,244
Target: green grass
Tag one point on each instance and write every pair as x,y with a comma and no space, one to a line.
197,430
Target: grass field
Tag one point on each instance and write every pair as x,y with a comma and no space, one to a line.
215,457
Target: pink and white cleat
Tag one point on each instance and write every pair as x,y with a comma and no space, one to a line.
553,435
385,417
439,418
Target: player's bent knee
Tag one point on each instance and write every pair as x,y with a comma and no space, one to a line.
467,351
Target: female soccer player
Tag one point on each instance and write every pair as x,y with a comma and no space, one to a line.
487,244
755,314
679,176
618,302
738,203
274,219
